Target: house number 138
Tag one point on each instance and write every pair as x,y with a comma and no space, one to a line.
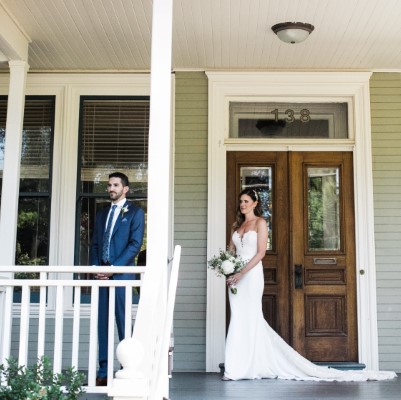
304,115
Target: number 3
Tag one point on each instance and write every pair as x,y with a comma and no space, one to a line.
290,115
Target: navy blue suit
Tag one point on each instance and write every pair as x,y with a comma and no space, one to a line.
125,244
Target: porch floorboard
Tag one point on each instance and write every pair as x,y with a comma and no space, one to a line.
202,386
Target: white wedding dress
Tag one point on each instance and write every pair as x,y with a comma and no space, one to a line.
254,350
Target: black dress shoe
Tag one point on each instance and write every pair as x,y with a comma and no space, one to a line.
101,381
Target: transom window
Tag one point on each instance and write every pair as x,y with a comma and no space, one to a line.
289,120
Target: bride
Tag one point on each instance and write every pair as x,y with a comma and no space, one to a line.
253,349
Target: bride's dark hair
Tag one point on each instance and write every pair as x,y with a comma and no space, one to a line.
240,218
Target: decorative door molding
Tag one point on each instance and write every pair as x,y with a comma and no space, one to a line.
351,87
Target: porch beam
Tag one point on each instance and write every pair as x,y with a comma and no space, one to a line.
14,41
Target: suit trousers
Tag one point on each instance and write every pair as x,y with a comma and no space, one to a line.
103,323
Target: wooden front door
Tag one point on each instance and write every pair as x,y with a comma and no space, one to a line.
309,267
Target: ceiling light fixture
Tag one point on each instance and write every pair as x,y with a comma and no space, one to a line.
292,32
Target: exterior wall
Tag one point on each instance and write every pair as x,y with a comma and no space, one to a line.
386,151
190,219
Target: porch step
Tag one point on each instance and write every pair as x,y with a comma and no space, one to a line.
337,365
343,365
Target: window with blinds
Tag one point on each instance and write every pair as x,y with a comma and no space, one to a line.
36,151
3,118
33,226
113,136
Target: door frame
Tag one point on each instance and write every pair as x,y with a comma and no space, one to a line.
350,87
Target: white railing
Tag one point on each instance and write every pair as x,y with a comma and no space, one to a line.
61,312
143,356
145,374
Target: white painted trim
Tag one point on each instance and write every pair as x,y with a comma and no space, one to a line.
299,87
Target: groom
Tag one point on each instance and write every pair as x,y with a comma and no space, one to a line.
117,240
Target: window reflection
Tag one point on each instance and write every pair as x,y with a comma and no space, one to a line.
323,209
260,179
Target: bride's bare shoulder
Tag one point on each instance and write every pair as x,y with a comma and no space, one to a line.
260,223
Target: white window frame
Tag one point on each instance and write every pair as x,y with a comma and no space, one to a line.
68,88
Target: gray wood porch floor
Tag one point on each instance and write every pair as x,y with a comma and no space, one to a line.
199,386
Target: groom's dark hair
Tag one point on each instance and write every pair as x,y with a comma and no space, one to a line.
123,177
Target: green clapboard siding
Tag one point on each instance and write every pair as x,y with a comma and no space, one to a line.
190,219
385,89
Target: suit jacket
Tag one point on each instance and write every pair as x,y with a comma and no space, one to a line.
125,241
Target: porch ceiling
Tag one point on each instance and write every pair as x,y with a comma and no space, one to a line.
80,35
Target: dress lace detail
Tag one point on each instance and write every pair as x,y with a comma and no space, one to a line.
254,350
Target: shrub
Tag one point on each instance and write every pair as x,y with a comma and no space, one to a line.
39,382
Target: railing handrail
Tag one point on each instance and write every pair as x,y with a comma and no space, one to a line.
73,269
70,282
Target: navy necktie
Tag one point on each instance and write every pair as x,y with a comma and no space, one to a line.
106,236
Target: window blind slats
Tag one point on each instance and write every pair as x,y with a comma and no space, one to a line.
36,136
114,131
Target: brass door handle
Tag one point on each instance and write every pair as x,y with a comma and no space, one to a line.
298,276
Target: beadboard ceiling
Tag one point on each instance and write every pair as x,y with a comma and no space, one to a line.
115,35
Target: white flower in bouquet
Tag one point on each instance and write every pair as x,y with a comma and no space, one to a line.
227,267
226,263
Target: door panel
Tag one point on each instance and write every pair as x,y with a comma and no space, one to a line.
309,267
323,246
276,293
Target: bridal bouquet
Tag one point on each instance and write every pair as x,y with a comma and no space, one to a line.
226,263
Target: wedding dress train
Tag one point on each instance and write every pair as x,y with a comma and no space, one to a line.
254,350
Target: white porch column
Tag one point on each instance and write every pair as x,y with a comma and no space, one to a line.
12,159
152,303
159,166
10,188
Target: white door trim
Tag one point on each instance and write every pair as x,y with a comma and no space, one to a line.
352,87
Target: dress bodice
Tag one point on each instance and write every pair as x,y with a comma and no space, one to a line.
246,245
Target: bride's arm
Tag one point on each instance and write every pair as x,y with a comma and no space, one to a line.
231,246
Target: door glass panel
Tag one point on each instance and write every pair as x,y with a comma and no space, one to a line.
323,208
260,180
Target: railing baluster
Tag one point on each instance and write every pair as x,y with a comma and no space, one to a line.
128,312
93,336
24,326
76,327
110,344
42,317
58,333
7,324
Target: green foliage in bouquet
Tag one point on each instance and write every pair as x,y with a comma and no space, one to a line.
226,263
38,382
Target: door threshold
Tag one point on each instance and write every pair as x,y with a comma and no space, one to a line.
342,365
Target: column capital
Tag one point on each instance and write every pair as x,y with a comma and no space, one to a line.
15,64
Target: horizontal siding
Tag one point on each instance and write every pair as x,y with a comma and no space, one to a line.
385,89
190,219
49,341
